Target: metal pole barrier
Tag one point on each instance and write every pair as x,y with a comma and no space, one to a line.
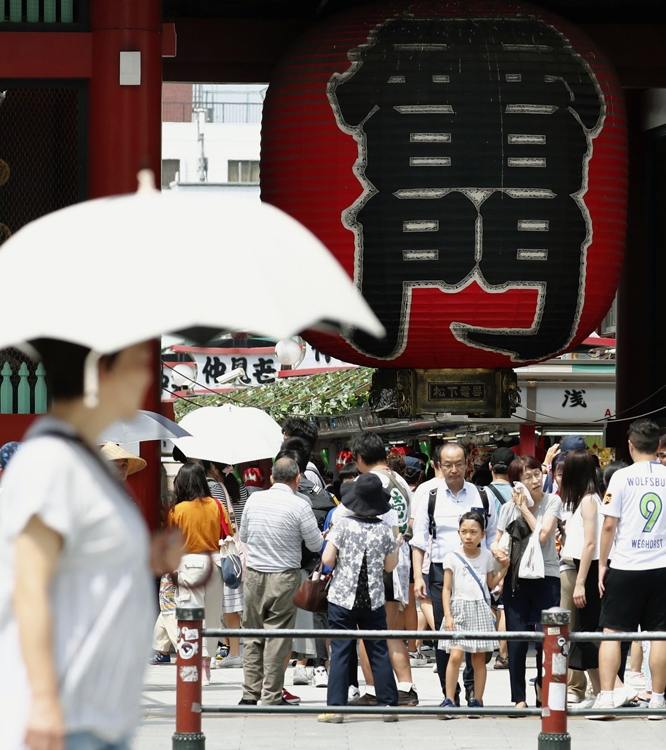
554,734
188,734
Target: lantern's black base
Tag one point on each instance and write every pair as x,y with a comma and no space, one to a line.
188,741
554,741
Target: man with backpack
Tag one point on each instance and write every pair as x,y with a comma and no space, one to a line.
436,522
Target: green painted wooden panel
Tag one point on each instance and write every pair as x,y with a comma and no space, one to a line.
15,11
40,390
32,11
67,11
6,390
49,11
23,390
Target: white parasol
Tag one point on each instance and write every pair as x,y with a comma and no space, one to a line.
230,434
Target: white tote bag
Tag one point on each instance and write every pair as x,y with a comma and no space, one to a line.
531,563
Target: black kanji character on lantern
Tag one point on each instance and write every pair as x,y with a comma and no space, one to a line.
240,362
213,369
474,138
264,372
574,397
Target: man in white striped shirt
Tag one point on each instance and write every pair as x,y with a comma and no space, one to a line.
275,523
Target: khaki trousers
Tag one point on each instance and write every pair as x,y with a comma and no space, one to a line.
165,632
268,605
577,680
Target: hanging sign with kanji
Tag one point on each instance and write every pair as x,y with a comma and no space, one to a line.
466,164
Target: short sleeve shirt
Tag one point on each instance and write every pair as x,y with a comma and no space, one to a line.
356,538
102,593
636,496
464,585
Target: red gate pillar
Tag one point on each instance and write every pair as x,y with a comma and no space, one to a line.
188,734
124,136
554,734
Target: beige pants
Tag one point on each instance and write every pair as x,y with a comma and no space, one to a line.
268,605
576,681
194,568
165,632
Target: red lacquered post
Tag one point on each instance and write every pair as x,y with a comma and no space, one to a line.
188,734
554,734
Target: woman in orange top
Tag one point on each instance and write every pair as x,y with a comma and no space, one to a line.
202,521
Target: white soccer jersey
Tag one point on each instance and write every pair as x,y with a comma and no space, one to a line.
637,497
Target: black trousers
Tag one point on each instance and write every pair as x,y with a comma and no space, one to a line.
436,584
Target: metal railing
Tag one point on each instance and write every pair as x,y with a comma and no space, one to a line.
555,638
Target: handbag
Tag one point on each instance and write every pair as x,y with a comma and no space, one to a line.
312,593
531,563
230,563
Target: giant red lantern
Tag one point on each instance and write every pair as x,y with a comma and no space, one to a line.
466,164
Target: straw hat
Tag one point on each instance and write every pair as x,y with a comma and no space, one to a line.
115,453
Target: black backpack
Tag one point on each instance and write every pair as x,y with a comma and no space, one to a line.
483,494
322,503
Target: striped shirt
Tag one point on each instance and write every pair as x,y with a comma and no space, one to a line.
274,524
101,592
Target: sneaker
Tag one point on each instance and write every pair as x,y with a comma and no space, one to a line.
300,676
585,703
320,678
247,702
602,705
417,659
446,703
469,696
231,662
635,680
364,700
408,698
292,700
331,718
656,704
474,703
222,652
160,659
353,694
624,696
388,718
573,698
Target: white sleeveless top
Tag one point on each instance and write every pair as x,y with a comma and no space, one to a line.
573,547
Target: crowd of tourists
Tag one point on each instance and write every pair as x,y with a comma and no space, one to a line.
410,552
408,541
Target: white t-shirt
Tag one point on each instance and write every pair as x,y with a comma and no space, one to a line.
637,496
464,585
102,593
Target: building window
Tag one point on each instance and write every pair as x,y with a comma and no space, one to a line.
243,171
170,172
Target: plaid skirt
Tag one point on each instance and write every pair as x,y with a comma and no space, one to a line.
471,616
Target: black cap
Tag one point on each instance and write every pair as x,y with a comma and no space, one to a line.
366,496
500,459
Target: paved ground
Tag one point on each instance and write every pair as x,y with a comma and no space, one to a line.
305,733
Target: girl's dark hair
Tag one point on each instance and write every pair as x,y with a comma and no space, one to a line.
190,484
519,465
473,515
579,478
230,482
611,469
348,471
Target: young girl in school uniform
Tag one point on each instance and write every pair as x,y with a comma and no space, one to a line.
469,578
